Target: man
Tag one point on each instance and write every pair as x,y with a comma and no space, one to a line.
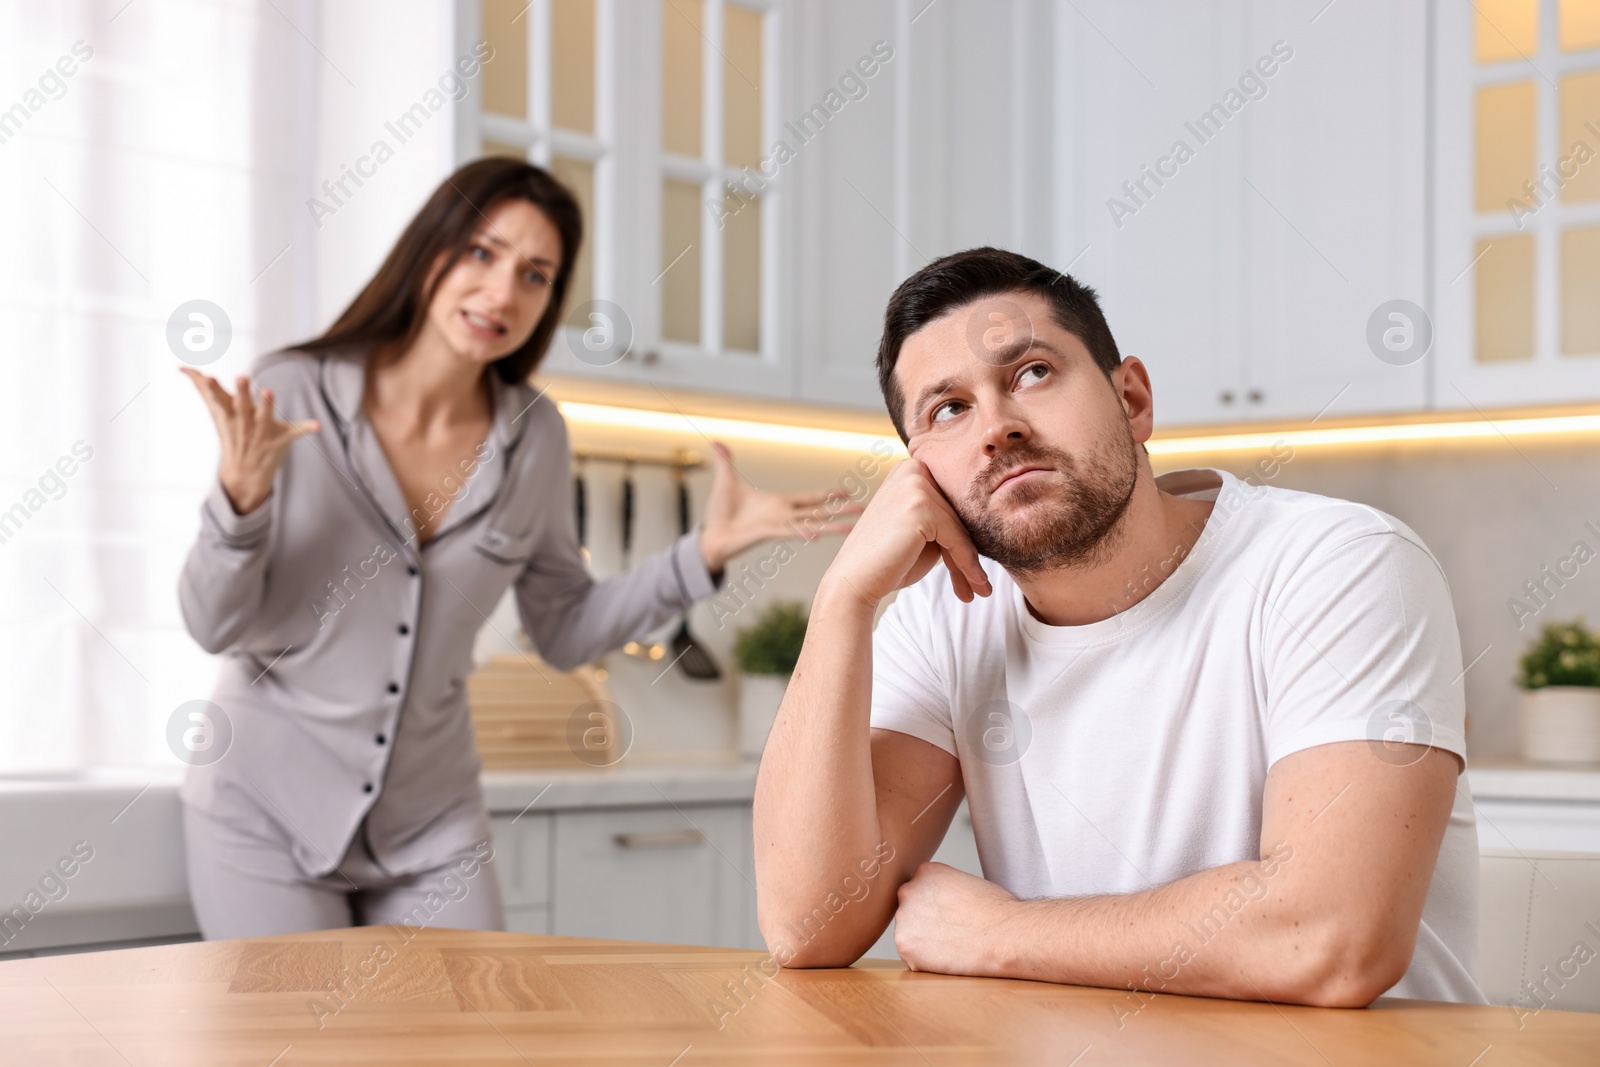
1211,733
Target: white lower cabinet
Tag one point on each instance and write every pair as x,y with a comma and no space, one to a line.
670,873
679,874
528,920
522,855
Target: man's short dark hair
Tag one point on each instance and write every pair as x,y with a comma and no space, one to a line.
962,277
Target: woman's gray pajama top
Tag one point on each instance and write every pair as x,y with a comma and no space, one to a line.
347,646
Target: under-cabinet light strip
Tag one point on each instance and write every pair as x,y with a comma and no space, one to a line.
714,426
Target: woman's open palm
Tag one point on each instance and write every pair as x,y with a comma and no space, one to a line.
739,515
254,440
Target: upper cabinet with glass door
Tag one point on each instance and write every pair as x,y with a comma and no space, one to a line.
540,102
721,197
1517,256
656,115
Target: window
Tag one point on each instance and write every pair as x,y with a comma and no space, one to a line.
1535,171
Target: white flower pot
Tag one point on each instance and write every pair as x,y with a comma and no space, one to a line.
1561,723
759,697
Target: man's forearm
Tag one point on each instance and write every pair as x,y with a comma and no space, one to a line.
1219,932
815,815
1240,931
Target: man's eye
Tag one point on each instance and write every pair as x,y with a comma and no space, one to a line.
948,405
1042,368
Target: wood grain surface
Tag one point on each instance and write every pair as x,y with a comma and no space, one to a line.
382,995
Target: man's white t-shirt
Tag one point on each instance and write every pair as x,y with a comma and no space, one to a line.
1131,752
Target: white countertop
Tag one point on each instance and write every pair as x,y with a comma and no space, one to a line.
684,778
677,780
1516,779
712,777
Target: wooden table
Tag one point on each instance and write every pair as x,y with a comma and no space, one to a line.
451,996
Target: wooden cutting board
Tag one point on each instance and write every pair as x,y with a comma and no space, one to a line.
528,714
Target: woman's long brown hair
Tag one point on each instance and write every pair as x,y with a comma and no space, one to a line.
394,304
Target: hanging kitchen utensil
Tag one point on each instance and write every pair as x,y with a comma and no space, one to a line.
633,648
687,653
627,516
580,507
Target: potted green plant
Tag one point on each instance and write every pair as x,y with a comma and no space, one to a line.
1560,679
765,653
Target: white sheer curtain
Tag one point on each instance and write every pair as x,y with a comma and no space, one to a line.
170,164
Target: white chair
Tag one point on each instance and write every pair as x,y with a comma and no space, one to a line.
1539,930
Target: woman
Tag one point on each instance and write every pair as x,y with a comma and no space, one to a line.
379,488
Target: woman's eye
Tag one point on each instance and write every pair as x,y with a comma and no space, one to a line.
480,253
534,277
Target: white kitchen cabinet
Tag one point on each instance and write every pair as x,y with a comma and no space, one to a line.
1166,259
661,873
522,856
1243,201
635,864
1246,269
936,157
681,284
892,132
1518,210
1334,223
851,194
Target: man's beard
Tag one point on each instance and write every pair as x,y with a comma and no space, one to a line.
1096,497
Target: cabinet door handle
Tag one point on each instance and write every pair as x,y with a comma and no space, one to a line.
667,839
1226,397
1255,396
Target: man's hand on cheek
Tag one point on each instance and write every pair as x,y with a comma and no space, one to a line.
907,528
948,920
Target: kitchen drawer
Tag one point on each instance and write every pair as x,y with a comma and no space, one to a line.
667,873
522,854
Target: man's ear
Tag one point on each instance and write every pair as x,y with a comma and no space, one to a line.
1131,382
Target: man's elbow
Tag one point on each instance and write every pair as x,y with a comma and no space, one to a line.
812,957
799,944
1352,968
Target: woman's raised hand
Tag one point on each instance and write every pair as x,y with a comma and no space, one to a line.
254,440
738,515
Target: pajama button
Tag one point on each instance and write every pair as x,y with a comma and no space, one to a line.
393,688
404,629
367,788
381,739
412,571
